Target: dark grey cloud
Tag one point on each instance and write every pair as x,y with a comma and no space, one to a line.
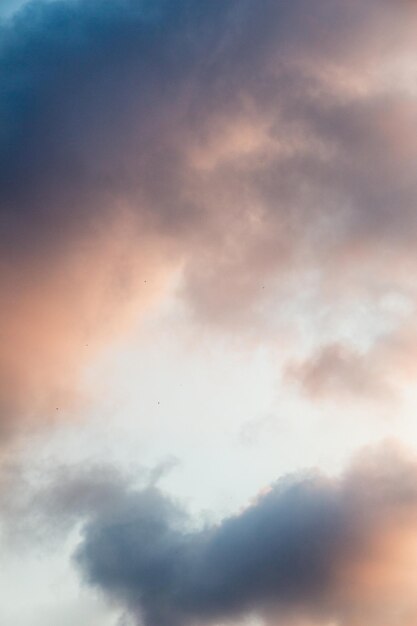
298,551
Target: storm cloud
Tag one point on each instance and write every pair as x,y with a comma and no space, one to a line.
235,144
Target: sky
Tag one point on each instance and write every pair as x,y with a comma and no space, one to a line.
208,337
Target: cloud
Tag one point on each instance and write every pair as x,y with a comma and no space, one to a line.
309,550
336,371
378,373
241,147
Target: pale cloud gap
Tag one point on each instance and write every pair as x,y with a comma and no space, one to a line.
241,147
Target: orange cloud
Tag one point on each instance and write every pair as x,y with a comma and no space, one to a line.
56,315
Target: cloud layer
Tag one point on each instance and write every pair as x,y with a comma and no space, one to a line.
244,147
261,155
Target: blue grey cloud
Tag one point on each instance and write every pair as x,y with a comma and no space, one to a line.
285,555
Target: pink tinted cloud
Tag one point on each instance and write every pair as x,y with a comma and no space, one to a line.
246,147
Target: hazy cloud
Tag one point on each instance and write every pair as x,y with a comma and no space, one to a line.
241,146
